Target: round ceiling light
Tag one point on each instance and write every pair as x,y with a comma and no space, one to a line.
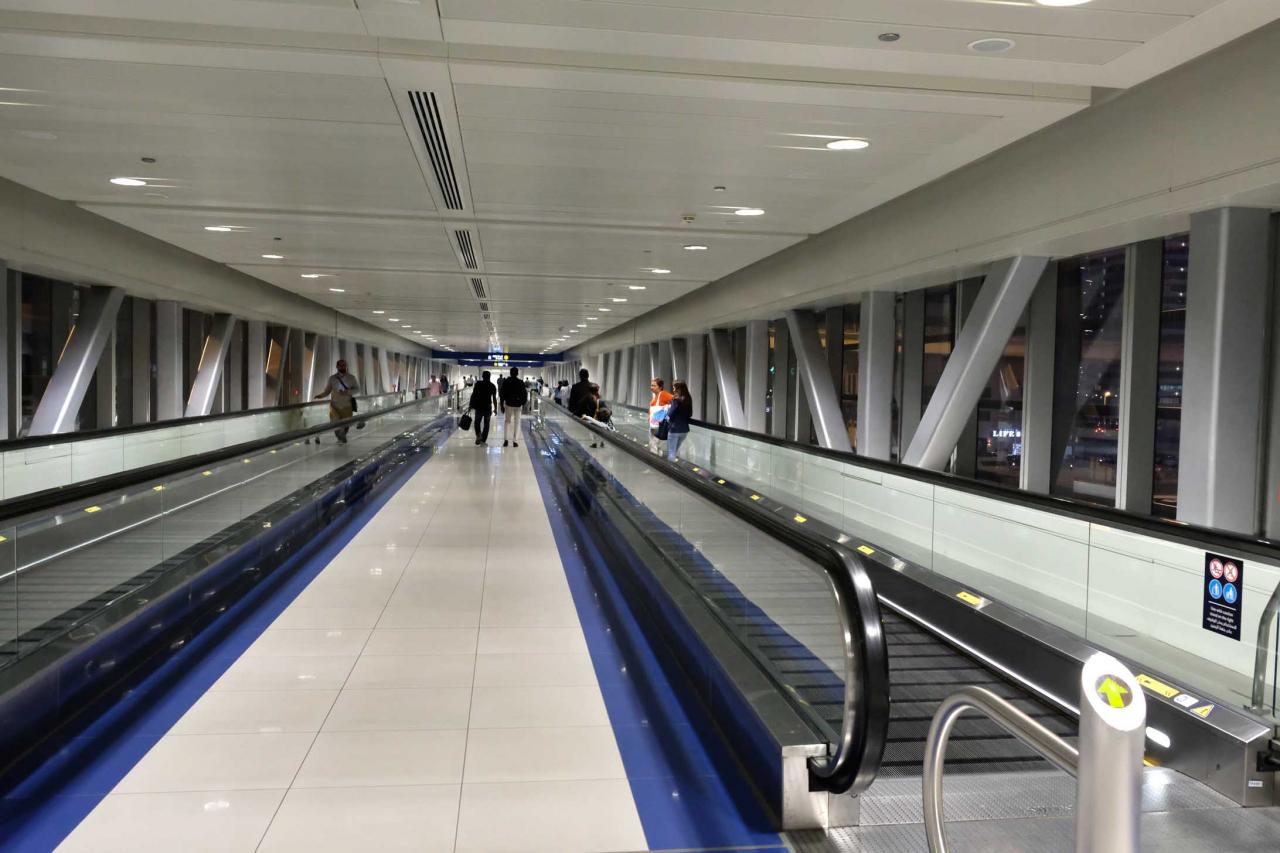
848,144
992,45
129,182
749,211
889,37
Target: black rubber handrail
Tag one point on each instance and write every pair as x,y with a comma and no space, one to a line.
110,432
50,499
854,760
1189,534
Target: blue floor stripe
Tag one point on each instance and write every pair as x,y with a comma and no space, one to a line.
689,794
38,814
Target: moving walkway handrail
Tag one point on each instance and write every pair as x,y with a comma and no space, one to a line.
852,764
1262,653
1056,750
1188,534
51,499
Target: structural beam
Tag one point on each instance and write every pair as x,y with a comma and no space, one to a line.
877,340
209,373
58,407
815,377
783,387
105,382
1224,369
10,352
623,385
256,355
912,402
1036,472
995,314
666,363
755,385
726,372
679,359
696,374
1139,376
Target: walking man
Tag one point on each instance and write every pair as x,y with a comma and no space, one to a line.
341,390
514,396
484,399
580,389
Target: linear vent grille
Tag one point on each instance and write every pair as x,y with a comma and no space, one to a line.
484,306
426,109
477,284
467,249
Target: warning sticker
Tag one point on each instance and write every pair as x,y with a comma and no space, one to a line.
866,549
1158,687
1223,588
970,598
1186,700
1203,711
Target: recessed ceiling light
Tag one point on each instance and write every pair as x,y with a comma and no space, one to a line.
582,325
749,211
718,189
379,312
636,287
695,248
337,290
129,182
617,299
889,36
593,318
315,275
992,45
222,228
848,144
606,309
658,271
274,257
405,326
393,319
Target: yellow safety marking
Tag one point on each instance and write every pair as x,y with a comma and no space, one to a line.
1116,694
800,519
1203,711
273,451
721,482
94,508
4,538
970,598
755,497
247,461
157,488
1158,687
866,549
696,470
206,473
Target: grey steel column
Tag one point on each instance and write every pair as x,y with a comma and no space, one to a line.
10,353
877,333
783,388
1224,369
598,375
1036,471
384,369
310,365
727,378
256,356
833,320
755,385
912,367
1139,375
61,401
605,377
623,385
105,382
655,365
141,367
168,360
999,306
235,370
212,359
696,374
815,377
640,375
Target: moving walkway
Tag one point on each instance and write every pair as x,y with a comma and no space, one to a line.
822,657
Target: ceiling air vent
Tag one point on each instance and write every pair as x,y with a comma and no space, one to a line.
484,306
477,285
466,248
427,111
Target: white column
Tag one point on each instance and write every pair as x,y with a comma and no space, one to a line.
60,403
877,333
755,386
726,371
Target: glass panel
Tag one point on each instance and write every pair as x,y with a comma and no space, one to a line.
939,337
1087,376
849,371
773,368
1173,324
999,455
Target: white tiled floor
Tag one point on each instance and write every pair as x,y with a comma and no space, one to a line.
430,690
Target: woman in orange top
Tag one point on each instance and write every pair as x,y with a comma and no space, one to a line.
661,398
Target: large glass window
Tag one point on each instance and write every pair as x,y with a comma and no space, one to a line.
999,454
939,337
849,371
1087,376
773,369
1173,324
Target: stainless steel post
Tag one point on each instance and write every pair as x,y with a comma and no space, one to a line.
1113,725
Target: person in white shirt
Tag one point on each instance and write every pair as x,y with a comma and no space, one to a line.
340,390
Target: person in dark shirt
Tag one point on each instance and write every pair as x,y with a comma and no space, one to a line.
679,411
484,399
580,389
514,395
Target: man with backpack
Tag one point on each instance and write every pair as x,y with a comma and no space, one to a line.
514,395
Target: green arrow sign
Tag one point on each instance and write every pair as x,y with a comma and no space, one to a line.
1116,694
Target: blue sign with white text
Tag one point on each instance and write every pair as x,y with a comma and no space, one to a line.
1223,589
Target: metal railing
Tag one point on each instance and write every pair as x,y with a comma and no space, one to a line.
1107,766
1262,656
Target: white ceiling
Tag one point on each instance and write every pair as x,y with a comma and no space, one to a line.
582,133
